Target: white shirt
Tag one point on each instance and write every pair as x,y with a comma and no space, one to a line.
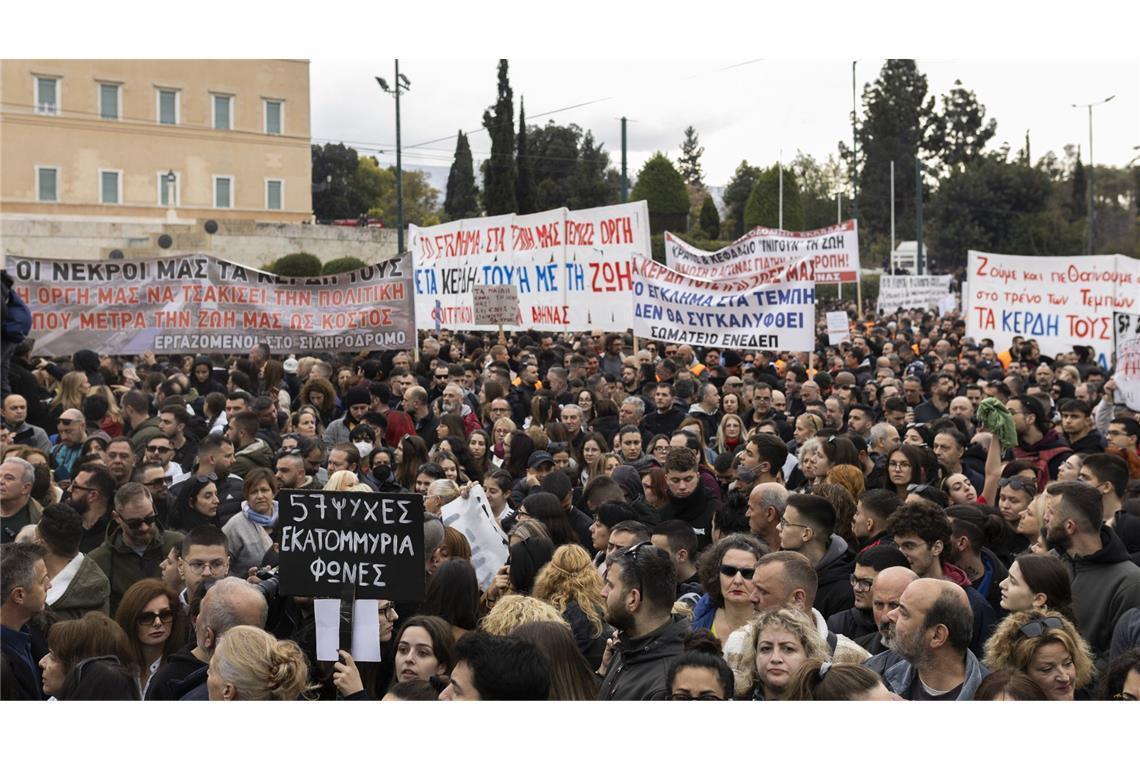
63,579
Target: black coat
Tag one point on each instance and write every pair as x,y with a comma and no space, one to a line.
853,623
639,669
834,593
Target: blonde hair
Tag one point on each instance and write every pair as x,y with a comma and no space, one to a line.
790,619
814,421
513,610
570,576
720,445
506,423
114,411
1008,648
342,480
70,393
261,668
446,490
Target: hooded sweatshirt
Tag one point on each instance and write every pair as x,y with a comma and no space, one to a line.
834,593
1106,584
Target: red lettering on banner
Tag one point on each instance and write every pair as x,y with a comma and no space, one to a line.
579,233
548,235
617,231
550,315
118,296
260,320
611,276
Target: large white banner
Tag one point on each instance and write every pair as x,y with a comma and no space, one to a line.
1127,375
767,251
912,292
755,313
1059,302
472,516
572,269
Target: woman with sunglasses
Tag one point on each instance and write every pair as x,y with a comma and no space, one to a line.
726,573
1046,647
151,615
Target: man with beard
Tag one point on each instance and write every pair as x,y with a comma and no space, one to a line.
451,402
157,482
933,625
941,389
17,507
15,411
1105,581
859,621
92,493
885,592
417,406
638,593
215,458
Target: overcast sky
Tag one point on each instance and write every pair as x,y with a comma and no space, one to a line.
742,109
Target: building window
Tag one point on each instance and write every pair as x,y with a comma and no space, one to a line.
109,187
274,117
223,112
168,188
223,192
47,95
47,184
168,106
274,192
108,101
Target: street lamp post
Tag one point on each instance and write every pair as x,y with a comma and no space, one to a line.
400,83
1091,238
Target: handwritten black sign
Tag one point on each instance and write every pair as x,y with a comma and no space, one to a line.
370,542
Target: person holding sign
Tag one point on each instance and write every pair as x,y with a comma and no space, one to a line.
425,647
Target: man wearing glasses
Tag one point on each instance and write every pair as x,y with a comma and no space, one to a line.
160,451
136,545
69,443
807,528
639,591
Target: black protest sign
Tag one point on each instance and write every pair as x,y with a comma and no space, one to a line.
333,541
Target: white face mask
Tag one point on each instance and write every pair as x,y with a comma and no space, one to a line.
363,447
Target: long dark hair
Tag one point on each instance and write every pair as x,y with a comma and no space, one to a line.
1045,574
545,508
526,558
571,677
522,446
413,453
442,639
453,594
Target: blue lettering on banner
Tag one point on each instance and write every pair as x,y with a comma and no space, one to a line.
1032,323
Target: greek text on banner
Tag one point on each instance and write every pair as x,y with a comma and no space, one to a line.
196,303
767,250
1059,302
752,314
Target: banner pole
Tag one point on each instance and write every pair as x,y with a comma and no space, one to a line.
859,294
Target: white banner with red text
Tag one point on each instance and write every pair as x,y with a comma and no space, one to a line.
572,269
767,250
1059,302
1126,327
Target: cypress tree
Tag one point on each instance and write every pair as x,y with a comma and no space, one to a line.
462,200
499,172
525,191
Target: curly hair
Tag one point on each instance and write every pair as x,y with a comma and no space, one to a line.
788,618
513,610
327,406
922,519
1009,648
709,561
570,576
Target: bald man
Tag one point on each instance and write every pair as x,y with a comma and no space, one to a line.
15,412
933,625
888,587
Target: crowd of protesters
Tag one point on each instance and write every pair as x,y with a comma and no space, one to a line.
907,515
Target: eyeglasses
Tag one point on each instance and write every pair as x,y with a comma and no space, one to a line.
632,553
158,449
385,609
1035,628
78,487
288,452
861,584
784,523
682,696
1019,484
165,479
730,571
216,566
211,478
441,377
899,465
162,616
137,522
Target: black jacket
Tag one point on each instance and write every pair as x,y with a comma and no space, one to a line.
696,509
1106,584
1127,528
664,423
167,683
640,667
591,645
853,623
834,593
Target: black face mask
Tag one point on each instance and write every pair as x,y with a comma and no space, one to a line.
382,473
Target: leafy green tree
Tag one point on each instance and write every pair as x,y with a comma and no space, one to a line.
499,171
961,131
555,152
819,184
594,182
296,265
421,200
334,166
763,209
993,205
690,162
710,218
896,126
343,264
736,194
367,185
462,200
662,187
525,191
